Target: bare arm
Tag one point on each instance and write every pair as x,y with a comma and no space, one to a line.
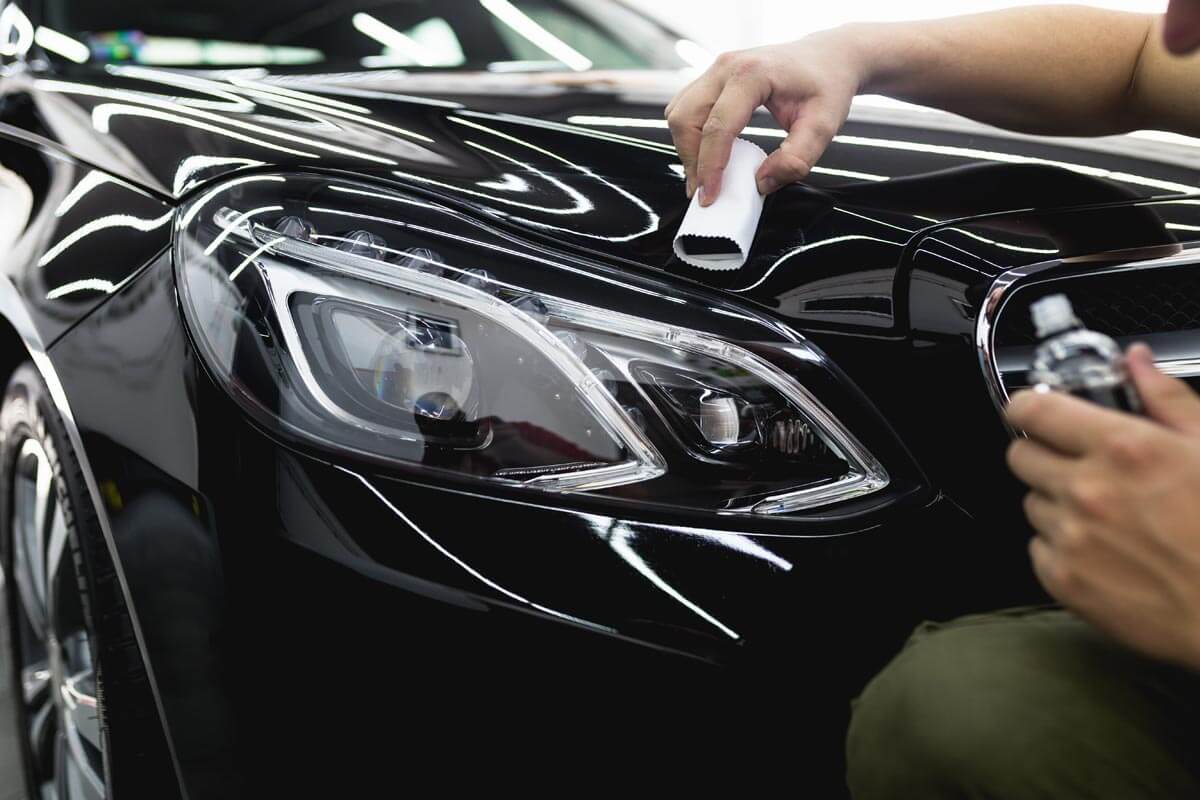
1068,70
1042,69
1164,92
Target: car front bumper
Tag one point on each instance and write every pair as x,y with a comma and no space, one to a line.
288,603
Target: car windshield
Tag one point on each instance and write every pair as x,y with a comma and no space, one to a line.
497,35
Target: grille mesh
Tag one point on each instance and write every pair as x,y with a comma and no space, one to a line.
1121,304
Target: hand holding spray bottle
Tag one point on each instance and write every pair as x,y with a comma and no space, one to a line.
1078,361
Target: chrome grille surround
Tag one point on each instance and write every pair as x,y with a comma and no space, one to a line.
1007,284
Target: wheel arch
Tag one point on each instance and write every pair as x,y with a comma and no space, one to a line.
20,341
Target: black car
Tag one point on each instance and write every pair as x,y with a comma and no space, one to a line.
361,426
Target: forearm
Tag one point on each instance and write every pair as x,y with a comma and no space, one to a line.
1066,70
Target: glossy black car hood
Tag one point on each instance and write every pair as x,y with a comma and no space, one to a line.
583,160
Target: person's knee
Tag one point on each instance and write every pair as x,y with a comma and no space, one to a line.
948,715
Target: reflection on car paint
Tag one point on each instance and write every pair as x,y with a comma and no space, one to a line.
968,153
621,538
467,567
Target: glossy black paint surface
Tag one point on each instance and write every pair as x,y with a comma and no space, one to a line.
85,235
313,585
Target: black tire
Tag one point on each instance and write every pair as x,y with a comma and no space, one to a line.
133,746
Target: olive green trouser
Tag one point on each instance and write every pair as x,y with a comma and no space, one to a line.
1024,704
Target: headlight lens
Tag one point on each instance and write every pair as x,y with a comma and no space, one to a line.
364,320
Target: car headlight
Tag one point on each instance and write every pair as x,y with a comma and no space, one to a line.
373,323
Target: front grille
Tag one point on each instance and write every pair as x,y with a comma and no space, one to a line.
1121,304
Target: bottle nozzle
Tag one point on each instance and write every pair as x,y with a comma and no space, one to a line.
1053,314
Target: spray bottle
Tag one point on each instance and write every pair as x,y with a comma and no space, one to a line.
1078,361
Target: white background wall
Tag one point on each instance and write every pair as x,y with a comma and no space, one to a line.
731,24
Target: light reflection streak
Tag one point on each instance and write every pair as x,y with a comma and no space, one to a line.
273,89
607,136
582,205
527,27
523,66
804,248
250,259
464,565
804,354
865,218
968,253
88,182
651,216
369,121
102,113
849,173
617,122
86,284
240,219
993,242
1166,137
647,122
331,83
944,257
14,21
604,528
392,39
732,541
665,148
196,207
780,328
190,166
380,63
620,538
152,102
65,46
251,73
99,224
919,147
508,183
1011,158
1016,248
228,102
290,99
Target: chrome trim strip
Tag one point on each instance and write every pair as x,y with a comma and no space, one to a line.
1007,283
1180,367
12,308
1175,367
985,329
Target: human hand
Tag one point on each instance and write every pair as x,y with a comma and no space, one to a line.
806,85
1115,502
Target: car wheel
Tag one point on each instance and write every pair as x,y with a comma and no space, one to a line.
73,652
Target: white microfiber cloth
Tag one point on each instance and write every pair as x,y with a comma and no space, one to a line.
718,237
